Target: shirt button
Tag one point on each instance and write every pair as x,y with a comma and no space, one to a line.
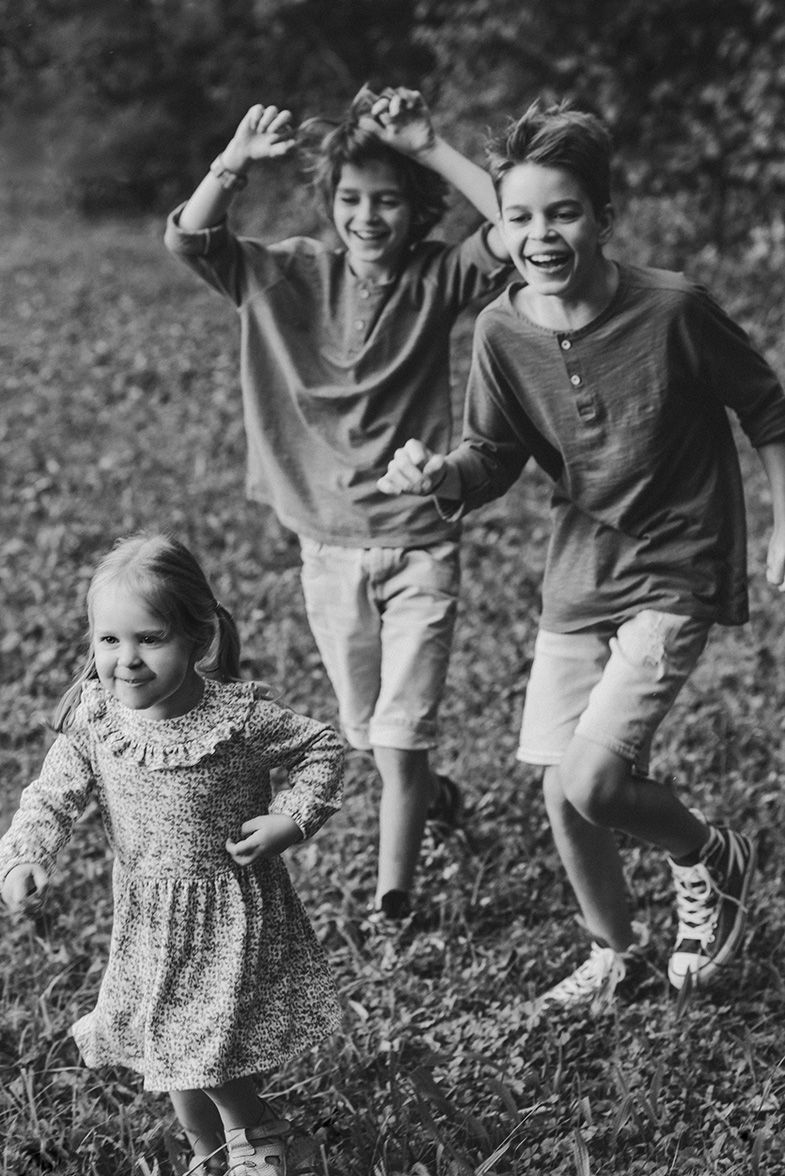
360,323
565,345
575,381
365,293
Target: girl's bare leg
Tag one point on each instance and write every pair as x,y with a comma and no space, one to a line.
200,1120
238,1104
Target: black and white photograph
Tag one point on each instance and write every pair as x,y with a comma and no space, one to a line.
362,365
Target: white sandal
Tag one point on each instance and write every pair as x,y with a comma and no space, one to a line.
212,1165
210,1168
260,1150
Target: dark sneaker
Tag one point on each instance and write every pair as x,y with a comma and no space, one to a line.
387,930
711,902
447,807
396,904
394,907
597,979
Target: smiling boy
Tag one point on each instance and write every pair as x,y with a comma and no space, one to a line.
345,352
615,378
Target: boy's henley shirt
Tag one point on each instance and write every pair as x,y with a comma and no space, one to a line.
628,417
337,372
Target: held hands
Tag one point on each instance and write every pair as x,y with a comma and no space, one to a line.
24,887
401,119
413,470
266,132
264,837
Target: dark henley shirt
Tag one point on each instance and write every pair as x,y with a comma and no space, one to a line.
628,417
337,372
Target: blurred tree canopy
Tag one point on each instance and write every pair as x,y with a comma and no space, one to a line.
131,98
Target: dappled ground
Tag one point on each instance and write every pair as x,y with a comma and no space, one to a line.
120,409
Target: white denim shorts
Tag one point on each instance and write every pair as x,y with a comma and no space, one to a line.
383,620
612,688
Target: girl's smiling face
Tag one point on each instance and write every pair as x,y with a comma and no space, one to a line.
553,232
373,218
139,662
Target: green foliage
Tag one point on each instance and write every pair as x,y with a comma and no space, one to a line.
694,90
137,96
134,98
121,409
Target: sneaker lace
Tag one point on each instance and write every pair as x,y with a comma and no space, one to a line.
602,971
696,902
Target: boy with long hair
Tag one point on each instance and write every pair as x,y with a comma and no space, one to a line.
345,353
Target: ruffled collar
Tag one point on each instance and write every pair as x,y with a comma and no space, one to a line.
222,713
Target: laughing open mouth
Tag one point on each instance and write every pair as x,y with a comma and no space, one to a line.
548,261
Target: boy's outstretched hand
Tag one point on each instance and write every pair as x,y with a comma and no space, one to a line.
775,559
266,132
401,119
772,456
414,469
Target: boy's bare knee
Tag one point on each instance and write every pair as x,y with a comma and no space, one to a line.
593,779
552,790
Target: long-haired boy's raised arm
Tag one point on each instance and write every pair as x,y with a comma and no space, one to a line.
401,119
264,133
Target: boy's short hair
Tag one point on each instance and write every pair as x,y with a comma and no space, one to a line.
328,146
557,136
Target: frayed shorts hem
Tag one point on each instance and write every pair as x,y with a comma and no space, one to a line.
611,688
403,737
544,759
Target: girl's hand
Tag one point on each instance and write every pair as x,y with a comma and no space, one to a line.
401,119
413,470
775,560
264,837
266,132
25,886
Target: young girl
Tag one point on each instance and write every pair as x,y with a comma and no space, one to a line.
214,971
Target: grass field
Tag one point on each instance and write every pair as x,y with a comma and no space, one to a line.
120,409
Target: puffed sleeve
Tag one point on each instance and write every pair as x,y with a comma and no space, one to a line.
313,756
49,808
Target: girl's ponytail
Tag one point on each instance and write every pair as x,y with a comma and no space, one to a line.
66,707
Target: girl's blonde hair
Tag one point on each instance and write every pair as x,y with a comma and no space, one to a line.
173,586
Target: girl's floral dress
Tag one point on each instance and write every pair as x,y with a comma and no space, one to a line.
214,970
